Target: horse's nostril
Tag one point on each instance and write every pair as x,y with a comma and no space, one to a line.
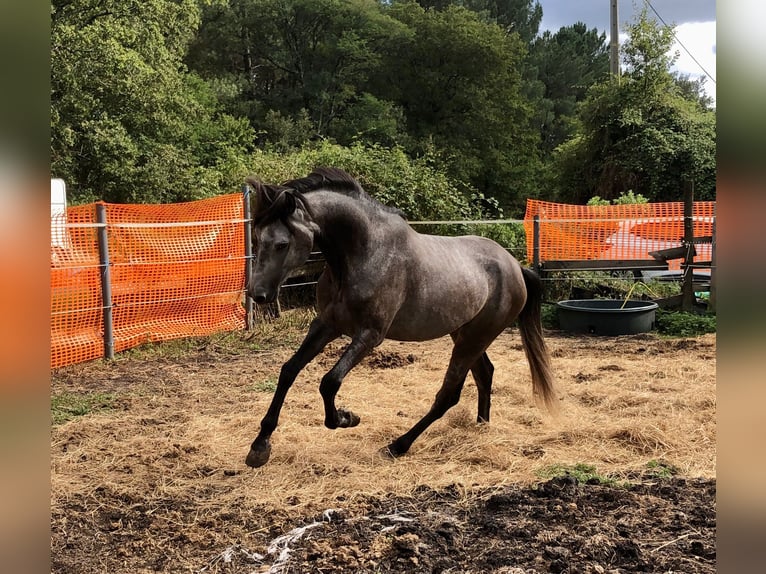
260,299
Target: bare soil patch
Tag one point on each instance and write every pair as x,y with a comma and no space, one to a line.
158,482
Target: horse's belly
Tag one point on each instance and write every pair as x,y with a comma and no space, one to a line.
406,331
436,317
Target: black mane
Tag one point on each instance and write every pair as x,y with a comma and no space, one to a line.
337,180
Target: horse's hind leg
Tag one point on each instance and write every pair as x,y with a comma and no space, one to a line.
463,358
482,371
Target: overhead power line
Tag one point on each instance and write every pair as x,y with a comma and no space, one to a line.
672,31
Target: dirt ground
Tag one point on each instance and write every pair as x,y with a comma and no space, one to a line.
623,480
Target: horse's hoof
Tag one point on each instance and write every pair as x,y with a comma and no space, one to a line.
259,454
386,453
391,452
347,419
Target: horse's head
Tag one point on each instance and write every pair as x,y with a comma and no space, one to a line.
283,234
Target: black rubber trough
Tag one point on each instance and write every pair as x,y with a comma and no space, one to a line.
606,316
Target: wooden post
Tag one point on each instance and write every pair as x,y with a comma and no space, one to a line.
614,40
687,289
712,301
106,280
249,303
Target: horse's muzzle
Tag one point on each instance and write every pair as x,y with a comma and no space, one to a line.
262,296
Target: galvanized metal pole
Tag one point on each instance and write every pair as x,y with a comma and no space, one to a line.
536,243
713,288
687,289
249,303
106,280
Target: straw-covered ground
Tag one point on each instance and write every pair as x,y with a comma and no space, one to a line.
151,476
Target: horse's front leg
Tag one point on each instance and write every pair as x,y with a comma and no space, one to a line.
359,347
319,335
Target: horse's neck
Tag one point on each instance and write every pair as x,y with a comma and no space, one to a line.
345,230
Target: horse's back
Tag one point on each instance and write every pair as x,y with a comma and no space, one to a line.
451,281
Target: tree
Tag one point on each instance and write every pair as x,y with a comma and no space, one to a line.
291,59
458,81
567,64
641,132
128,123
521,17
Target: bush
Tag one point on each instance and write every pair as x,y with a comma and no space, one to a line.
420,190
549,316
608,285
679,324
510,235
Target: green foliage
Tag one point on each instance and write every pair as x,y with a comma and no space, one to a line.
458,80
679,324
166,100
267,386
661,469
68,406
419,189
442,83
582,472
628,198
312,60
567,63
549,315
512,236
602,284
128,123
641,132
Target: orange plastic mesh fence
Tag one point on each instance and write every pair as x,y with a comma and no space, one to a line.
614,232
177,270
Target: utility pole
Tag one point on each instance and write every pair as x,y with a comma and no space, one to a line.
614,41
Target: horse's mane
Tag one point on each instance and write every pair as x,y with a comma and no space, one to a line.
337,180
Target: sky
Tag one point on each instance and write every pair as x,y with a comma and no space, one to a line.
694,21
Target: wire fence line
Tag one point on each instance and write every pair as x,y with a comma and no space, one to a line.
169,271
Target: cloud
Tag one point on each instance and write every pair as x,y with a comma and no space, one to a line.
699,38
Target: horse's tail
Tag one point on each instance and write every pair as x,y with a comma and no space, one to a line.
531,327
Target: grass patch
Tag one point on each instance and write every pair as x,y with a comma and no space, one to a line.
679,324
661,469
286,331
583,473
267,386
68,406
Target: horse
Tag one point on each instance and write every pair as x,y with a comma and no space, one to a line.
383,280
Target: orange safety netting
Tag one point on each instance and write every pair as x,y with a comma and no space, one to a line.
177,270
614,232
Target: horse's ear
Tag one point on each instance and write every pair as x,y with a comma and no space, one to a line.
289,202
263,194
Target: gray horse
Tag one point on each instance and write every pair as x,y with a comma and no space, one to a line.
385,280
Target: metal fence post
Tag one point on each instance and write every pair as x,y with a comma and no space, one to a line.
249,303
687,288
713,273
536,243
106,280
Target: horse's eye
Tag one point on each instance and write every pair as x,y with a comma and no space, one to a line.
281,246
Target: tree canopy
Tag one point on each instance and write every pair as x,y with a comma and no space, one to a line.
643,132
170,100
129,121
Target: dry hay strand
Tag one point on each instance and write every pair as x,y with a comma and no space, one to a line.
188,423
